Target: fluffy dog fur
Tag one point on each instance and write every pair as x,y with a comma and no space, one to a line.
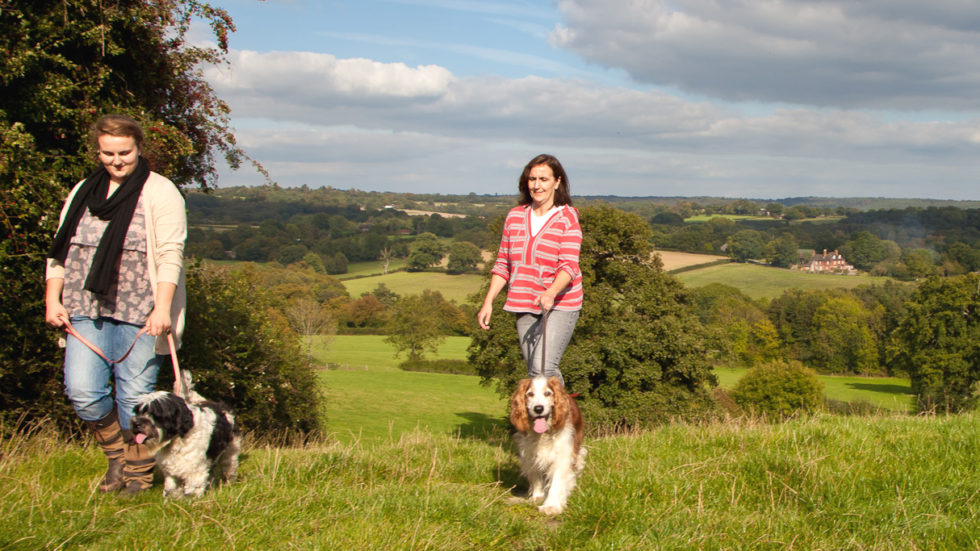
194,440
549,440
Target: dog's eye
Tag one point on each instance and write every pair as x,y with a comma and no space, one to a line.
530,395
547,393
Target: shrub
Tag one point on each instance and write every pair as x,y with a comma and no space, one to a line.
779,389
244,353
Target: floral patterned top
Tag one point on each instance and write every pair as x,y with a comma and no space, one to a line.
131,299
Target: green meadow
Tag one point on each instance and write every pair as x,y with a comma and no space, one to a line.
452,287
759,281
366,372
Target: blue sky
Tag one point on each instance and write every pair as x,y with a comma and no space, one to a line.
731,98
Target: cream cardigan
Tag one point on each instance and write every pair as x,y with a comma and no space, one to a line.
166,231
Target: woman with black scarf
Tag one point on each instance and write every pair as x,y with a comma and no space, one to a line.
116,268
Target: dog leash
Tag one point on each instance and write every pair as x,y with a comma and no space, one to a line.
70,329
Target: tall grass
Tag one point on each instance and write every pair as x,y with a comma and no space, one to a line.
819,483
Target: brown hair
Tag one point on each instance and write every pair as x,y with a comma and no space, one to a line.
116,125
562,194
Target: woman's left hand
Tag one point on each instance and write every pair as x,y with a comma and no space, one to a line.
545,300
158,323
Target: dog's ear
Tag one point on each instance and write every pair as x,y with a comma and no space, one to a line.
560,396
518,407
172,415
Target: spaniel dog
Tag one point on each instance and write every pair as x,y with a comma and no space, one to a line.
193,440
549,440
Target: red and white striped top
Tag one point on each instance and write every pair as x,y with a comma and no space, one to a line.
530,263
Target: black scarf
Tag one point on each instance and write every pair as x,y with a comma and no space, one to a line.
117,209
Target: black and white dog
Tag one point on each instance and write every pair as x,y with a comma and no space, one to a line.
194,440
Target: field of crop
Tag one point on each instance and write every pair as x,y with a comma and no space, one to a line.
674,260
759,281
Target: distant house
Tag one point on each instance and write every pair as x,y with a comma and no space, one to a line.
827,263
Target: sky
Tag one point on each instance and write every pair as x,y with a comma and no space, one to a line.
759,99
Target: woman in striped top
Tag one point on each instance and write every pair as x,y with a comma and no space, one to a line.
538,263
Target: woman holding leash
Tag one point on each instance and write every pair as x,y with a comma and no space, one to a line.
538,263
115,277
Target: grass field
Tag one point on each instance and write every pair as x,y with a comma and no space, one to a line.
762,281
891,393
402,401
826,482
452,287
374,267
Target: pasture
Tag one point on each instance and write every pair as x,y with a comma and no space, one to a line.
759,281
457,404
452,287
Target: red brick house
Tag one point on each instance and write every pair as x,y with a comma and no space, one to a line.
827,263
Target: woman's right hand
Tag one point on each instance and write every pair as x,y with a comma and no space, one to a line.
483,317
55,314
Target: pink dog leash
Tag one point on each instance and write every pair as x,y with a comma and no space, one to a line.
170,341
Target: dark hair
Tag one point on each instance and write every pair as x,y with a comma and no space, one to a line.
562,194
116,125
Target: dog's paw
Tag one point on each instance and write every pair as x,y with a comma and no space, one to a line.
550,510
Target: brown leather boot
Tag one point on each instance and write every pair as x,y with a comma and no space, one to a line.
110,438
138,471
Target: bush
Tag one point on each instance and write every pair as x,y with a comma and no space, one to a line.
779,389
244,353
455,367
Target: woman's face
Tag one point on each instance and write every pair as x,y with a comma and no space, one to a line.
541,184
119,155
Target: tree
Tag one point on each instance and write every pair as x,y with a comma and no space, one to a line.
309,318
426,251
65,63
421,322
938,343
782,252
745,245
842,340
242,351
637,355
865,250
463,257
385,255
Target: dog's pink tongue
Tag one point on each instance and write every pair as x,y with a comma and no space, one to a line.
140,438
540,425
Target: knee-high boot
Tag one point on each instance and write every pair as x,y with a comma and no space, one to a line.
138,472
110,439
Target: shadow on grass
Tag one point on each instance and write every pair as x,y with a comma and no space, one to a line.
884,388
480,426
495,431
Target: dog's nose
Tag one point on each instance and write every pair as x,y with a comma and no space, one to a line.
538,409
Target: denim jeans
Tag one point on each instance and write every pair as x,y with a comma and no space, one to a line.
87,376
559,330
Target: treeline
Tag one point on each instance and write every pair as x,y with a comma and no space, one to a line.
272,224
905,244
256,229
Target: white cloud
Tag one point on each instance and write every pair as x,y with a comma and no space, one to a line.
387,126
879,54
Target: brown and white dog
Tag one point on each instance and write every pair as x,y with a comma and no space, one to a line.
549,440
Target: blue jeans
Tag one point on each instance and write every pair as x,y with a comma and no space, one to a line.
87,375
559,330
